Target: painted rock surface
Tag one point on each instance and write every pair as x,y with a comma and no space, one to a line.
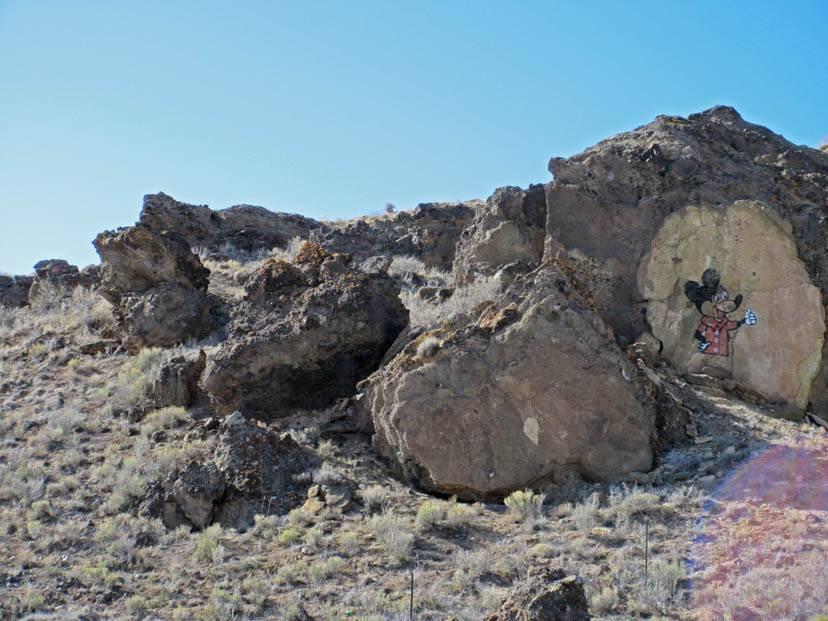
727,293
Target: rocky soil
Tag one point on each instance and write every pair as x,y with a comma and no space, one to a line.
552,404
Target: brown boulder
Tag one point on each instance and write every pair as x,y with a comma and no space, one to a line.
303,337
527,391
157,286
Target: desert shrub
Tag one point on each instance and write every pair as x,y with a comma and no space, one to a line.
426,314
350,542
289,573
402,265
430,513
327,473
265,526
428,346
605,600
135,379
325,568
659,592
165,418
207,542
393,533
49,298
525,505
223,605
625,503
585,515
289,536
470,565
375,498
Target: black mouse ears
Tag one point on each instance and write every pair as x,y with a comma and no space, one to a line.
699,293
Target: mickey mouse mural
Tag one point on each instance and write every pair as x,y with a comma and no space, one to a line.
712,300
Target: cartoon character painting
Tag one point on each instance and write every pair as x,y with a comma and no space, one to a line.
715,331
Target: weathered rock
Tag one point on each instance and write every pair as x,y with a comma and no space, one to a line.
510,228
429,232
546,594
177,380
528,391
753,250
306,333
241,228
252,470
157,285
14,290
606,204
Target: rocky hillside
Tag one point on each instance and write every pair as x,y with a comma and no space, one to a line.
570,401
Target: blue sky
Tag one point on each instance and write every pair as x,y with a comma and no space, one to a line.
331,109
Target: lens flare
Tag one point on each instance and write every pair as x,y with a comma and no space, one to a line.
762,549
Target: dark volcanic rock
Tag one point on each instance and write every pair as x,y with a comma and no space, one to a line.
546,594
497,402
429,232
252,469
305,334
14,290
157,285
243,228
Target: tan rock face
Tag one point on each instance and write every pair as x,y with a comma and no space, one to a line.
529,391
752,249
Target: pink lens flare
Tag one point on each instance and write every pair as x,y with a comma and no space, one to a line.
762,550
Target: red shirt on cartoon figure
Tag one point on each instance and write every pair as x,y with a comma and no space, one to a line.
716,332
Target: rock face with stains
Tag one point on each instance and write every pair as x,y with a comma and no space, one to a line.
306,333
606,205
529,391
510,228
753,250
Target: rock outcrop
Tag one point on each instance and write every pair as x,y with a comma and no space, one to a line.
606,205
306,333
251,470
241,228
546,594
60,273
14,290
528,391
510,228
755,254
157,286
429,232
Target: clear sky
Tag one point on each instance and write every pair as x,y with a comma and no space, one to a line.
331,109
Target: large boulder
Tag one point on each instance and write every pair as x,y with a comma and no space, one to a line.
546,594
755,256
429,232
157,286
525,392
606,205
511,227
251,470
306,333
244,228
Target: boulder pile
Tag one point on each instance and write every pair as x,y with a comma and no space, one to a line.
305,334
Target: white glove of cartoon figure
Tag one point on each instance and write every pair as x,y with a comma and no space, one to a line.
750,318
